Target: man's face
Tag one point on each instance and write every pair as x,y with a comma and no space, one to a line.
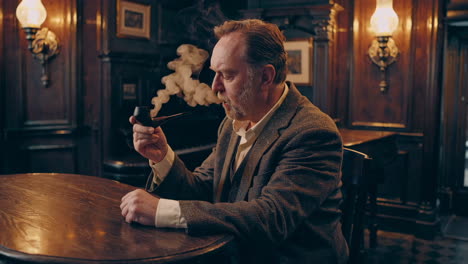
235,81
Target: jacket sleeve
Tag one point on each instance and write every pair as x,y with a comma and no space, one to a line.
182,184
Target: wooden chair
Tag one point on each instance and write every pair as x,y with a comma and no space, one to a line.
355,178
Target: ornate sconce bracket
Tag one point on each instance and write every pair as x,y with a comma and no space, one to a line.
383,52
44,45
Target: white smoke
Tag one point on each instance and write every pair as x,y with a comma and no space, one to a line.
190,62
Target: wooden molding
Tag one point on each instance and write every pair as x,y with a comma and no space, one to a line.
377,124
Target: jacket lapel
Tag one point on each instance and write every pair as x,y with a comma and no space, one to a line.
280,119
259,147
233,142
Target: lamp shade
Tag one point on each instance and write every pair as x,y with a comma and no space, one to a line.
31,13
384,21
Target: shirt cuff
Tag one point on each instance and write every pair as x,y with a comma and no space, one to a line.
162,168
168,215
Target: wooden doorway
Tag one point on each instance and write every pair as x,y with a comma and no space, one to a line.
454,126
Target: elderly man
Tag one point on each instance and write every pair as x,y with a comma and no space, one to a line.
273,179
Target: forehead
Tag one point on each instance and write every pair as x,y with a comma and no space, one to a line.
229,51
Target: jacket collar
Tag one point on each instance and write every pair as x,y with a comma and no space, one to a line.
270,133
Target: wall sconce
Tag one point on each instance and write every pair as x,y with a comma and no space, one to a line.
383,50
42,42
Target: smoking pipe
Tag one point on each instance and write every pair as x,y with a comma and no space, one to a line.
142,115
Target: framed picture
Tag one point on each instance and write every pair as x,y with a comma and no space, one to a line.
299,61
129,91
133,20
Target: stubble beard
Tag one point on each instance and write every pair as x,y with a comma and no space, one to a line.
239,111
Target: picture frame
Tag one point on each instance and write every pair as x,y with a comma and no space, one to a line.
133,20
299,61
129,91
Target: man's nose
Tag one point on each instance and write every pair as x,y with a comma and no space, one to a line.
217,85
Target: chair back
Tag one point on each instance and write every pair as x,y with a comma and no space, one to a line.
355,178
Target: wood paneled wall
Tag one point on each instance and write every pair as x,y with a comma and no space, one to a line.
368,106
410,78
38,105
70,125
122,61
411,105
41,123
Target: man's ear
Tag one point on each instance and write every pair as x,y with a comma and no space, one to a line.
268,74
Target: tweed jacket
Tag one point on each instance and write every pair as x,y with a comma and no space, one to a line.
286,209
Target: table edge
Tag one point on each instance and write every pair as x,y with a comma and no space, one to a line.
200,252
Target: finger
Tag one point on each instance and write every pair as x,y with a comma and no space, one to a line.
128,213
123,204
132,120
142,129
124,207
144,143
139,136
129,218
125,211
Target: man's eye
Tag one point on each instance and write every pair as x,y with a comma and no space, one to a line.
228,77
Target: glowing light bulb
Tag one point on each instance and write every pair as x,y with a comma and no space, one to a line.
31,13
384,21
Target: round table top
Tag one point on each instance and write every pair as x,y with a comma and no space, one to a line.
69,218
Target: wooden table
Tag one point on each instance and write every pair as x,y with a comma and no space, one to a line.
381,147
68,218
358,138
